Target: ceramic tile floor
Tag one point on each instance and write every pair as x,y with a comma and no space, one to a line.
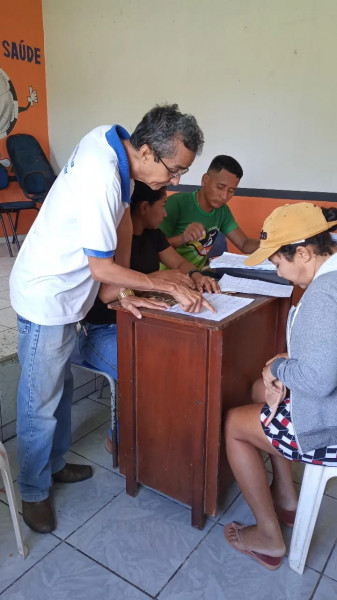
108,545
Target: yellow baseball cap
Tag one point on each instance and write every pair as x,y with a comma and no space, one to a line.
288,224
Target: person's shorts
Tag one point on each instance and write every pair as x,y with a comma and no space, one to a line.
280,433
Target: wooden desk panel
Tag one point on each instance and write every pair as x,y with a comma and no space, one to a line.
170,407
177,377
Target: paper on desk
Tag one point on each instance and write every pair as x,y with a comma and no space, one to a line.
228,283
223,304
228,259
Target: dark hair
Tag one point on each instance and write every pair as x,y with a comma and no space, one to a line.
161,127
143,192
323,242
222,161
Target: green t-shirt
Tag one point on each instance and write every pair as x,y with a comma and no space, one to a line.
183,209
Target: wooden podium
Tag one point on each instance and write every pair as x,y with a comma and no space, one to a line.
177,377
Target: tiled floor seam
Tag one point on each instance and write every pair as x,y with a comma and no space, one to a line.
187,558
92,430
87,521
30,568
94,462
109,570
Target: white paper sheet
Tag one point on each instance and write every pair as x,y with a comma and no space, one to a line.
254,286
228,259
223,304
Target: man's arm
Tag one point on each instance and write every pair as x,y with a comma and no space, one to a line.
107,291
107,271
242,242
124,240
192,233
171,259
170,225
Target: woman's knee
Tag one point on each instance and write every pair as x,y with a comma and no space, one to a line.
258,391
243,422
234,420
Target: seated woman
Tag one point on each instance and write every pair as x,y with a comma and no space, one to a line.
303,427
98,336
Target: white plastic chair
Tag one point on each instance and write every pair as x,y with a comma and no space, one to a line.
312,490
7,478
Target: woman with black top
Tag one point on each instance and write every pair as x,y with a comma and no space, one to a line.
98,336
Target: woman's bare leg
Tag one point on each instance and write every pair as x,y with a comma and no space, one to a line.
283,496
244,440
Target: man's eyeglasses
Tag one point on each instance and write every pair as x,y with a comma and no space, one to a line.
174,174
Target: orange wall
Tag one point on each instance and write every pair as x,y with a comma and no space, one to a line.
23,62
250,213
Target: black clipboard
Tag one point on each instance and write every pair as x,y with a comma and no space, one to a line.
261,274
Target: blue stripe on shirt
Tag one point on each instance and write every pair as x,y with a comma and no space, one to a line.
98,253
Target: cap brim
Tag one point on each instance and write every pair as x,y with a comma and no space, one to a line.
262,254
259,256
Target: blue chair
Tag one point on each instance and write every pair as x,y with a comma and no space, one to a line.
77,361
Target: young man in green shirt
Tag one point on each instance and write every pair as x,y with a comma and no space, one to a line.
194,218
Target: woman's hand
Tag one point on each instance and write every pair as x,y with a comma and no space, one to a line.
282,355
132,303
270,381
273,399
205,284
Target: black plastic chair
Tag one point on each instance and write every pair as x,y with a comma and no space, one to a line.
34,175
8,208
31,166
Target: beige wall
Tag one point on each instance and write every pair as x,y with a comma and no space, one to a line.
259,75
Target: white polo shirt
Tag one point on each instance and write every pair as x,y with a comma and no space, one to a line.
51,283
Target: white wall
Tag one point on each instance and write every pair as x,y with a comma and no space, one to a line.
259,75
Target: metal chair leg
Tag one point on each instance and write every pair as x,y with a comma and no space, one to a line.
16,223
114,439
6,236
15,237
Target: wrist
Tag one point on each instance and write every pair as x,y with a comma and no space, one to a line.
275,365
193,271
183,239
125,293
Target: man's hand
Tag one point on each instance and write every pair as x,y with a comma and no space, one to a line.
191,301
175,276
132,303
193,233
205,284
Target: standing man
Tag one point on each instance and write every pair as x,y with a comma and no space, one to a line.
195,218
67,253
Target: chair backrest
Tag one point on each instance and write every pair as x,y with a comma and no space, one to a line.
31,166
3,177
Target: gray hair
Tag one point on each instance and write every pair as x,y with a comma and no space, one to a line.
161,127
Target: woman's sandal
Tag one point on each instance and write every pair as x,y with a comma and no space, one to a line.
270,562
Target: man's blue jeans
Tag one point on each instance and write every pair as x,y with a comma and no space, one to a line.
44,404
